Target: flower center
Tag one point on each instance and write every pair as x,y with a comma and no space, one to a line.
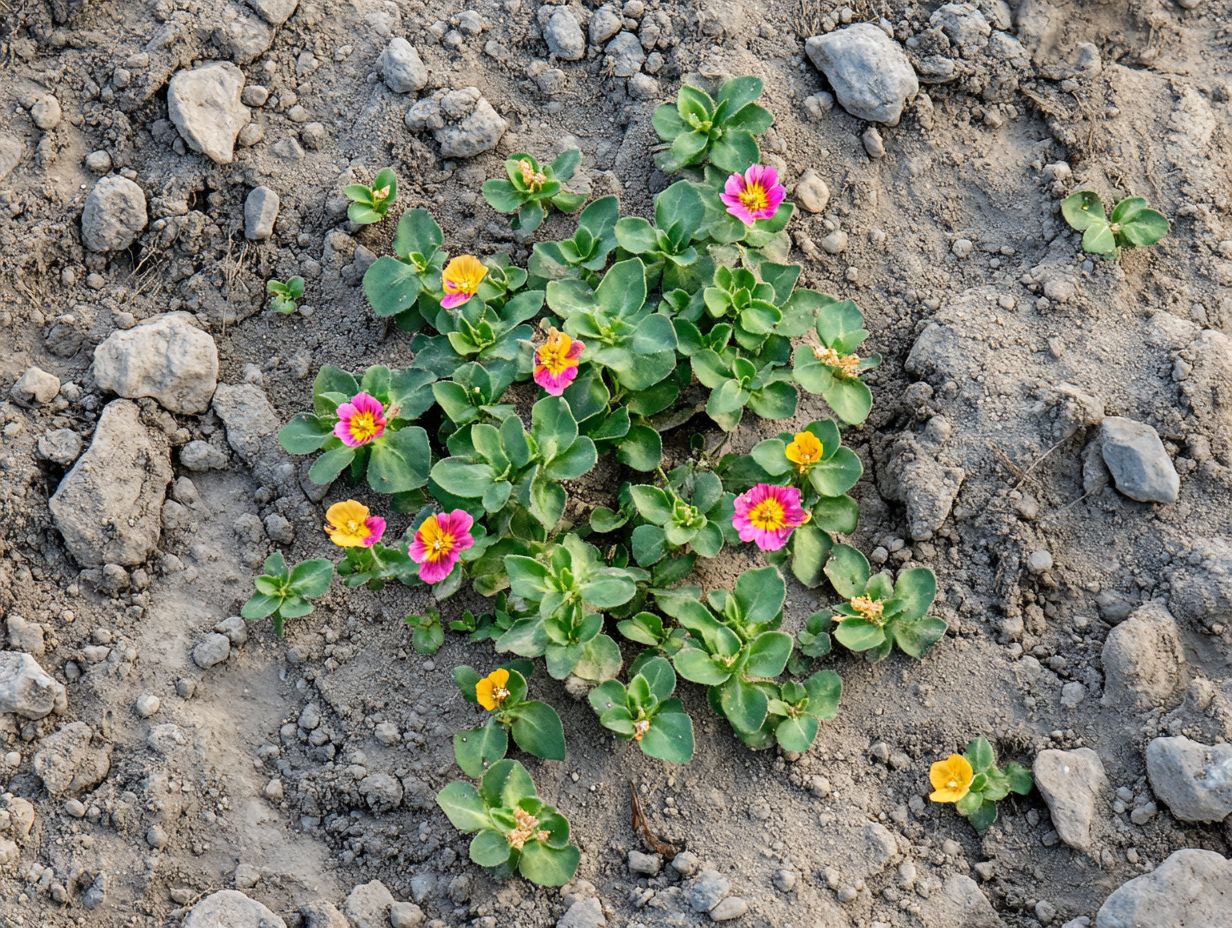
364,426
526,830
640,727
754,198
534,180
554,354
499,694
768,515
951,783
381,194
848,364
869,609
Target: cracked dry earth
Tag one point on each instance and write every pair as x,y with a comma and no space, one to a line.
1051,435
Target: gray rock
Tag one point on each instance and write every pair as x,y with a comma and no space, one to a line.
1140,467
199,456
68,762
204,104
704,891
405,915
25,636
109,506
260,213
1072,783
644,864
1191,889
473,133
729,909
26,689
584,913
1194,780
368,905
229,908
34,388
11,153
812,192
382,791
249,418
166,357
114,214
625,54
401,66
274,12
46,112
60,446
963,24
322,914
1144,664
605,22
211,650
235,628
871,75
564,35
960,902
241,36
1202,586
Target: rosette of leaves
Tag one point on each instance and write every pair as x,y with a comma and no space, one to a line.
719,129
880,613
474,392
374,566
534,725
393,284
584,254
568,588
507,468
369,204
646,628
621,331
609,424
834,369
812,643
1131,225
285,295
396,462
667,247
799,708
736,382
285,592
990,784
515,831
690,511
486,625
532,188
735,649
489,332
427,632
645,713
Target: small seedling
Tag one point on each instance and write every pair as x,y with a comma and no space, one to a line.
535,726
717,129
284,593
370,204
427,633
1131,225
285,294
532,188
974,783
645,713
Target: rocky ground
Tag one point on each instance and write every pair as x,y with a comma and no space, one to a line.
1051,435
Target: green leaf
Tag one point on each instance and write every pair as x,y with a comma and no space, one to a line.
980,753
600,659
623,288
261,606
796,734
641,449
982,817
478,748
810,549
502,196
744,705
848,571
576,461
636,235
667,122
1099,239
836,475
1146,228
914,592
490,848
652,503
738,92
608,588
391,286
858,634
328,466
839,515
696,666
537,730
841,326
915,636
553,426
969,803
505,784
761,594
768,654
548,866
418,234
310,579
304,434
458,478
649,544
851,400
463,807
824,689
1019,778
400,461
1082,210
670,736
566,164
680,204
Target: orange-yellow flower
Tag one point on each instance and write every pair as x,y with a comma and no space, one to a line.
351,525
804,450
492,691
461,279
951,778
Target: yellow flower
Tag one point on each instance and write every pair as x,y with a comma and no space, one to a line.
351,525
491,691
951,778
804,450
461,279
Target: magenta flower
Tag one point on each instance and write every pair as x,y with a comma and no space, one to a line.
754,195
361,420
556,362
767,515
439,542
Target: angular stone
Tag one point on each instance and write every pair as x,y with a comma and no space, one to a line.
584,913
260,213
1193,780
34,388
26,689
114,214
1144,664
475,133
69,762
249,418
1072,783
1140,467
274,12
229,908
166,357
204,104
211,650
109,506
1191,889
870,73
368,905
564,36
401,67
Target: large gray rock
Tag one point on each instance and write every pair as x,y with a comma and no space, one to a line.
205,106
462,122
250,420
368,905
1144,664
584,913
114,214
961,902
1137,461
274,12
1191,889
166,357
69,761
109,506
1072,783
26,689
870,73
229,908
564,36
1193,780
401,66
34,388
1201,584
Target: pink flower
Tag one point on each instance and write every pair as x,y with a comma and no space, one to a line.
360,421
754,195
556,362
767,515
439,542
